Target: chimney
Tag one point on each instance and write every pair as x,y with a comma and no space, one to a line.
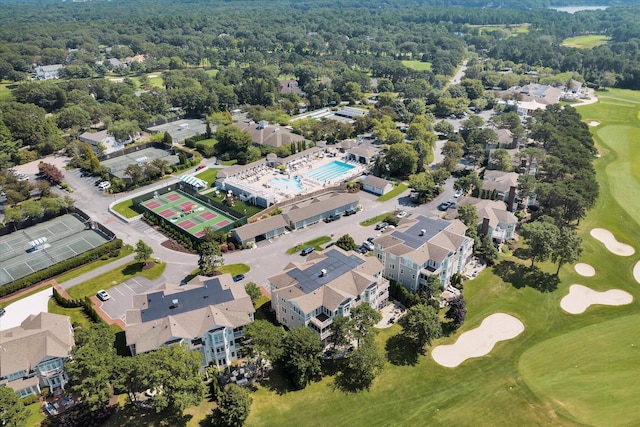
511,198
323,272
484,229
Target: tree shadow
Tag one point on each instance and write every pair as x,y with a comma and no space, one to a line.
522,253
520,276
449,328
206,421
276,382
401,351
132,269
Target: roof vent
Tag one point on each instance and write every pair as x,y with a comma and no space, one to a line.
323,272
422,232
174,304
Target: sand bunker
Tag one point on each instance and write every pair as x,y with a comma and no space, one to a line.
478,342
580,298
594,123
611,243
636,272
585,269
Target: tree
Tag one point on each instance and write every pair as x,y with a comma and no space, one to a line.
568,247
421,325
92,364
501,160
233,406
210,257
13,413
423,184
143,252
175,377
347,243
468,182
301,358
123,130
254,292
541,238
468,214
457,310
265,339
486,249
341,332
445,128
433,289
50,172
361,367
135,172
401,160
364,317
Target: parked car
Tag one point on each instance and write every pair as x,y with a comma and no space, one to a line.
401,214
238,277
351,211
200,167
104,185
381,225
368,245
103,295
370,239
457,194
363,250
98,182
2,311
306,251
332,218
444,206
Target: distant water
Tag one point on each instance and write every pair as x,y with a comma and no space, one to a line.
574,9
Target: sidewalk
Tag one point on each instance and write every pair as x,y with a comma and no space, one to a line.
97,272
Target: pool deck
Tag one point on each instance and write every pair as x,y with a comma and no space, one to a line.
261,180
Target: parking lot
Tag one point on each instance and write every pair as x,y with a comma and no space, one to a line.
122,295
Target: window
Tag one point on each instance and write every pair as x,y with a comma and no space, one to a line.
402,271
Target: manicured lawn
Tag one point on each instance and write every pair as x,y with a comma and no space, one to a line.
417,65
126,250
5,91
375,219
115,277
317,243
234,269
76,314
228,162
240,206
532,379
208,175
398,189
36,416
126,209
587,41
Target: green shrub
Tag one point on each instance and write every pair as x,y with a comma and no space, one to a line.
30,399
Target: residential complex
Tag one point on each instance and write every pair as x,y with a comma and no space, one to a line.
327,284
32,355
420,247
208,314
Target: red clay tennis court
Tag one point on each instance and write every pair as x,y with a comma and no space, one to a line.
187,206
186,224
167,213
153,204
173,197
223,223
208,215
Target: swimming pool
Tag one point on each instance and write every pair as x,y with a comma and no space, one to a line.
329,171
286,184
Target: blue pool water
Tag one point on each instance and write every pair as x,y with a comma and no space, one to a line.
329,171
286,184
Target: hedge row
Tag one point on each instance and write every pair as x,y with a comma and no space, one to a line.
402,294
191,141
85,303
110,249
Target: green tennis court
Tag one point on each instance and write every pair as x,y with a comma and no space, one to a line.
187,213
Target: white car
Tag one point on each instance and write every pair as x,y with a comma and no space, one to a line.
104,185
103,295
457,194
401,214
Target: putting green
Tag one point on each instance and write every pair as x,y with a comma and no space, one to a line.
589,375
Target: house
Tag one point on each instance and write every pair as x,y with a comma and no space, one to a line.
326,284
48,72
420,247
376,185
32,355
264,229
137,58
207,314
493,218
504,183
319,208
265,134
351,112
505,139
290,86
362,155
102,137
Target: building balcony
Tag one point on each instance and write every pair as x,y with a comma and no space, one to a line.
499,234
321,321
51,373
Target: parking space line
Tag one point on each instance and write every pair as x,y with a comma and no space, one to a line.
118,290
129,287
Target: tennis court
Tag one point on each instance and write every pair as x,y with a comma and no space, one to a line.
66,237
189,214
117,165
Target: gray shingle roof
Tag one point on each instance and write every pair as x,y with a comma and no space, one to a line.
314,209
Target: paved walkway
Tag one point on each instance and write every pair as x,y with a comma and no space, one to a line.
97,272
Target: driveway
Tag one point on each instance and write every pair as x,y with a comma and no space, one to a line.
23,308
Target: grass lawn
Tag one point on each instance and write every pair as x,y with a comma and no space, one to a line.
126,209
36,416
208,175
586,42
126,250
375,219
240,206
115,277
417,65
228,162
317,243
532,379
234,269
398,189
5,91
76,314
